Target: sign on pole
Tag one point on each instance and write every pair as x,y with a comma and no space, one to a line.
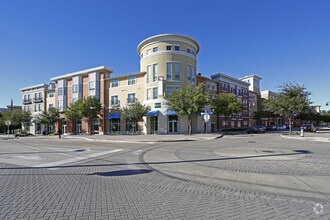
8,122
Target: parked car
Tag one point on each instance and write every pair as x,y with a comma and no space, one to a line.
281,127
308,127
256,129
22,134
271,128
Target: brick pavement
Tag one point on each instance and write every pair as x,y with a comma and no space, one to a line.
119,186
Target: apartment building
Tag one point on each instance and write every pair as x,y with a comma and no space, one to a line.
34,100
240,89
73,86
254,96
168,62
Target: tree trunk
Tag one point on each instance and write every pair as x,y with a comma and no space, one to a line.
290,124
189,125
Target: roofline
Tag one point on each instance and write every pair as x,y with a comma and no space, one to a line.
253,75
81,72
139,47
229,77
205,77
126,75
34,86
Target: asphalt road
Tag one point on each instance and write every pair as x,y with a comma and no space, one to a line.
235,177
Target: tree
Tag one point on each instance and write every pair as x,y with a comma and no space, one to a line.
49,117
87,108
226,104
292,100
134,113
189,101
263,114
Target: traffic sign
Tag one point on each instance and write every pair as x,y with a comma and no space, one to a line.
8,122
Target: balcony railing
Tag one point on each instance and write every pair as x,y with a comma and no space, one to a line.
27,101
37,100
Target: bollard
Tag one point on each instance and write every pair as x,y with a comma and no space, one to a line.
302,132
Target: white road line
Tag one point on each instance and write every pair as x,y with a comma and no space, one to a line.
75,159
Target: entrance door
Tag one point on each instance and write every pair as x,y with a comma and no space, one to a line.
173,124
153,124
78,126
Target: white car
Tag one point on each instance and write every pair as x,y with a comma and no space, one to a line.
282,127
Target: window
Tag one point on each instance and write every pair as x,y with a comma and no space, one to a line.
74,88
114,100
170,89
193,52
176,71
245,103
148,51
188,50
131,98
191,74
74,100
208,84
232,90
91,85
141,56
148,73
239,92
60,91
51,94
245,92
115,125
177,48
155,93
115,83
155,71
158,105
131,80
168,47
148,94
51,106
155,49
35,108
60,104
39,107
213,86
168,71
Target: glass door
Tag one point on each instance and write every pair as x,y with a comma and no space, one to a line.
173,124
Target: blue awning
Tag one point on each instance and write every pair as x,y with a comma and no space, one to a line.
152,113
170,112
113,116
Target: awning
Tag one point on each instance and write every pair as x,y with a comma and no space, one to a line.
170,112
152,113
113,116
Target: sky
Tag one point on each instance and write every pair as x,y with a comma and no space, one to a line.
278,40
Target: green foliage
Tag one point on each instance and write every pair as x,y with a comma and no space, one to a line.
49,117
17,117
226,104
87,108
188,101
292,100
134,112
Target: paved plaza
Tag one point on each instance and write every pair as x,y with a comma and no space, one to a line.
259,176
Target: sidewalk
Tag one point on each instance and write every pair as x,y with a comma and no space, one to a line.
151,138
318,136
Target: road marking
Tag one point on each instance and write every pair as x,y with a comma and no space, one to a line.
76,159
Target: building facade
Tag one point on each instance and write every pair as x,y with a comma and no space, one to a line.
34,101
168,62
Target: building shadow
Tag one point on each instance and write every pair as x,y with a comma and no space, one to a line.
122,172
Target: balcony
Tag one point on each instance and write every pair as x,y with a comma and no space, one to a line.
26,101
38,100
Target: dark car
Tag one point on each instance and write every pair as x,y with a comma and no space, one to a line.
308,127
23,134
271,128
256,129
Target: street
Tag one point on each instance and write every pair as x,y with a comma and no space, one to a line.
259,176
